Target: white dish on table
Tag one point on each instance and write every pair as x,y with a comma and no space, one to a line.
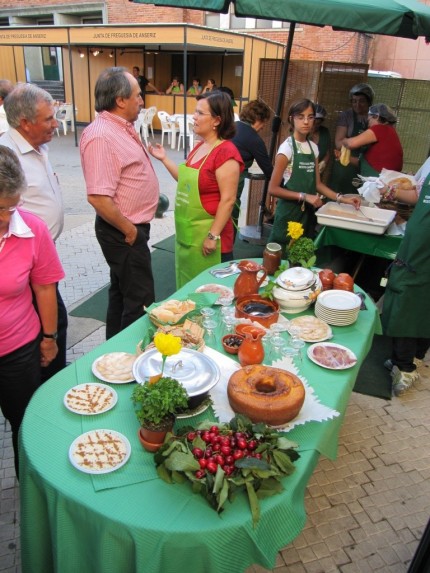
214,288
339,300
347,217
332,356
99,451
122,376
90,399
311,328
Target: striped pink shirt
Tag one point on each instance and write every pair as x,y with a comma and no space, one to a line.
115,163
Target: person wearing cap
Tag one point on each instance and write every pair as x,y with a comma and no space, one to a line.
351,122
321,136
383,146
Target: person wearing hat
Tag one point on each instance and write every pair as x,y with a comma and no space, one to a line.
321,136
383,146
351,122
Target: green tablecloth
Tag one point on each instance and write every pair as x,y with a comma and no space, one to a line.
385,246
130,521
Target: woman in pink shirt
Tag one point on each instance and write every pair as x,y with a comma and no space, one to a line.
28,260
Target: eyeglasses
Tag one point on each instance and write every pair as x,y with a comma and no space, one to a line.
301,117
11,209
198,112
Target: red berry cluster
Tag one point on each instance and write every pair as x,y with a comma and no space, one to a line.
222,450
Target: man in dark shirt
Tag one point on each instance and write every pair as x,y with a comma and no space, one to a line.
144,83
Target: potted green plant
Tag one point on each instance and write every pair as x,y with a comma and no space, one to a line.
300,250
157,400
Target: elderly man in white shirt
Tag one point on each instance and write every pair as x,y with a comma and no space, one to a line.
31,117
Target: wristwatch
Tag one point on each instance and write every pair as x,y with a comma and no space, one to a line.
54,335
213,237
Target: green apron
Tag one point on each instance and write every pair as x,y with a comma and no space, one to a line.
303,180
406,309
192,223
342,176
366,170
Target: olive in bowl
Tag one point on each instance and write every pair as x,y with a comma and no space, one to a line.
231,342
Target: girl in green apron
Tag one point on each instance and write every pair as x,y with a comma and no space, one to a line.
296,180
406,308
206,190
383,148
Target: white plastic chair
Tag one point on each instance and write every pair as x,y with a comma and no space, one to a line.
190,132
167,126
64,115
147,119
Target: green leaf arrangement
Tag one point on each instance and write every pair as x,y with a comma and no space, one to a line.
262,455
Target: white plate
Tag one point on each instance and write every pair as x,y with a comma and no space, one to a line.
221,290
90,399
100,376
339,300
195,412
103,451
345,353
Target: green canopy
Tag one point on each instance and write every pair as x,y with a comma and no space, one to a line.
402,18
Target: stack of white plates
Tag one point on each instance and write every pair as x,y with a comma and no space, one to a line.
338,307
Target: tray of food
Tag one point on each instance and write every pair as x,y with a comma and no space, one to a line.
368,220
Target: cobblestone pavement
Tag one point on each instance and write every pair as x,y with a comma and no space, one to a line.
366,510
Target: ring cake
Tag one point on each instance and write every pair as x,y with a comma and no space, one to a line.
266,394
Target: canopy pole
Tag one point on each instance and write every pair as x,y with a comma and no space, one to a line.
72,85
276,123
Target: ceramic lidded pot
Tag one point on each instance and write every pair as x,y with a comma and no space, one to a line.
296,289
257,309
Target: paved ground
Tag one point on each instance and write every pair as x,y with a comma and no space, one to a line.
366,511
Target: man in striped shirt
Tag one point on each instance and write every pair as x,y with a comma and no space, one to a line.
123,189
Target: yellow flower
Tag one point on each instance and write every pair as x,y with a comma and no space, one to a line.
295,230
167,344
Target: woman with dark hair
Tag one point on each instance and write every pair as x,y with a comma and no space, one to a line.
321,136
206,191
383,147
210,86
253,118
296,179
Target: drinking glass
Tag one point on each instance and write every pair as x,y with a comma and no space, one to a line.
210,325
277,347
207,312
297,344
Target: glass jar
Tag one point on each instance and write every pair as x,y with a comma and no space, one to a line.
272,257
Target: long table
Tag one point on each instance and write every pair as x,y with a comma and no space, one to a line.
129,520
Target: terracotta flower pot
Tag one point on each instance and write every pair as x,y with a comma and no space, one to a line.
152,439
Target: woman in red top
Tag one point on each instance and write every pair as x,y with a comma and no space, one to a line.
384,148
206,191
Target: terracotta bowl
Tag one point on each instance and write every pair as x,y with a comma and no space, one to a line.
257,309
227,342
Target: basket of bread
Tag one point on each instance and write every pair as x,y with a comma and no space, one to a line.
190,333
171,312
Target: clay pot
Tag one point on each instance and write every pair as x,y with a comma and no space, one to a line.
247,282
257,309
227,342
327,277
344,281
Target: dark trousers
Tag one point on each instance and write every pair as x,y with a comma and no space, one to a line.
132,283
59,361
19,379
406,349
